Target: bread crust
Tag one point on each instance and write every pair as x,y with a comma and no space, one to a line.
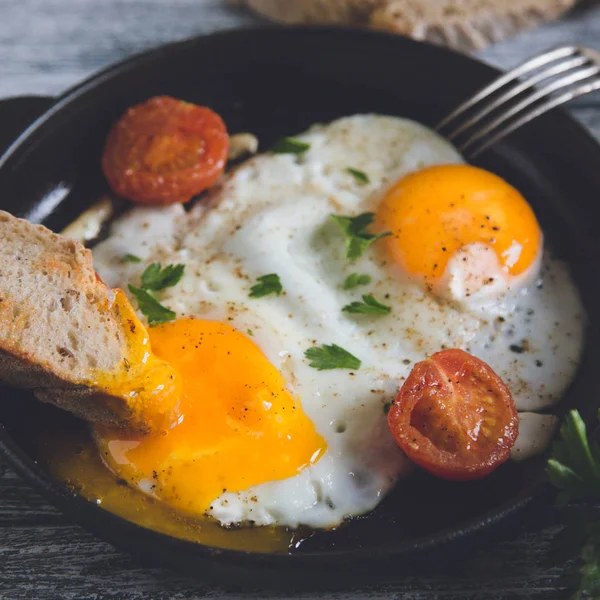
461,24
341,12
83,401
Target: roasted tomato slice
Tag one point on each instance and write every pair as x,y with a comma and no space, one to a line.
165,151
454,416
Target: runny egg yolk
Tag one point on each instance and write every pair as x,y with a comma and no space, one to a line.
144,391
240,426
435,212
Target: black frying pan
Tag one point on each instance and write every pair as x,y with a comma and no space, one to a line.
273,82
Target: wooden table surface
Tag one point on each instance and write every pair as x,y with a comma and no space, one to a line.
47,46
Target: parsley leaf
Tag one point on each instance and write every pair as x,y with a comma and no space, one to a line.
360,176
267,284
156,278
289,145
589,586
154,311
575,470
579,538
575,464
369,306
355,279
131,258
331,357
358,239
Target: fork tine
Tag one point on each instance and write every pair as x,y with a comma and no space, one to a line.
536,112
529,65
552,87
513,91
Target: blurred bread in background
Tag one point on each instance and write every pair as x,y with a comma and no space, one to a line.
461,24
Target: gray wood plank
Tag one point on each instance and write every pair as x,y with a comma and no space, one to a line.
52,44
580,27
49,45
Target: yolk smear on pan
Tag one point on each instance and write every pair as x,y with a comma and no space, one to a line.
65,448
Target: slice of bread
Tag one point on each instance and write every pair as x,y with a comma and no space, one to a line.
60,327
461,24
342,12
465,24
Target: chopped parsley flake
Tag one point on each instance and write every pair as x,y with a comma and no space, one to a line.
369,306
267,284
289,145
154,311
156,278
358,239
131,258
355,279
360,176
331,357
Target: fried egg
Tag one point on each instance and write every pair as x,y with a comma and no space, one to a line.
463,232
238,455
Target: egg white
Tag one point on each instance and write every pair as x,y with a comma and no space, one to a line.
272,215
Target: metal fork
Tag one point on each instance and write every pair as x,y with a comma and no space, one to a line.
519,96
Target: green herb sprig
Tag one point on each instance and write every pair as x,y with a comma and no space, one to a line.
154,311
289,145
327,357
369,306
267,284
355,279
574,469
360,176
575,464
357,238
154,279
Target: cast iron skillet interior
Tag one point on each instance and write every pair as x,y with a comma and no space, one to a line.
279,81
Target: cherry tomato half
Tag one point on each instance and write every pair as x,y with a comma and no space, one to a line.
165,151
454,416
